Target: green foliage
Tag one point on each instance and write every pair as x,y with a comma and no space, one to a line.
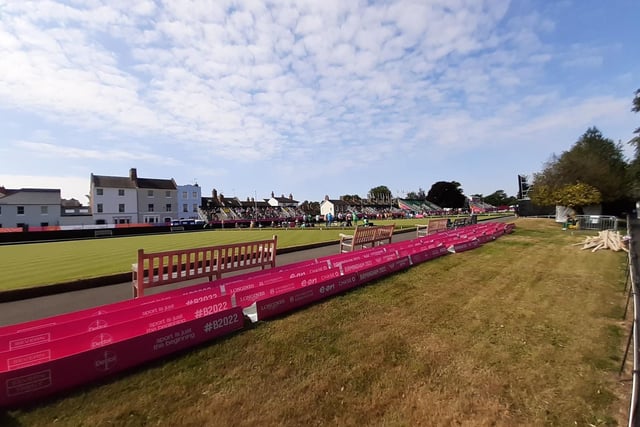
380,194
579,194
310,208
447,194
420,195
634,167
594,162
351,198
636,109
499,198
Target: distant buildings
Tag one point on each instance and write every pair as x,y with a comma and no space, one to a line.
29,206
113,200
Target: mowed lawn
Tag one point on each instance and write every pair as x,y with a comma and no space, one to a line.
524,331
37,264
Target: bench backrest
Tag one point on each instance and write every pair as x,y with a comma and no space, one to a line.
163,268
369,235
434,226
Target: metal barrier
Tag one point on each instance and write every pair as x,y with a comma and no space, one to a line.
597,222
633,341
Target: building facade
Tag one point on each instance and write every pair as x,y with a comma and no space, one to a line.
131,200
29,207
189,199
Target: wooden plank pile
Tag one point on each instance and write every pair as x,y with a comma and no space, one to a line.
607,239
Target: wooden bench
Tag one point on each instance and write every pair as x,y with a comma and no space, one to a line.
434,226
164,268
460,222
365,236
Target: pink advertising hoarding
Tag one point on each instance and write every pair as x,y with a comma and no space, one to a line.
29,383
279,304
45,351
98,321
247,297
195,293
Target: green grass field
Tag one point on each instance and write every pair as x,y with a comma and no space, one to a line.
37,264
524,331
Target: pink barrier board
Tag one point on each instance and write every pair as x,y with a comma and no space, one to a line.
31,337
87,340
339,259
196,293
368,262
457,246
289,301
247,297
242,284
28,383
429,254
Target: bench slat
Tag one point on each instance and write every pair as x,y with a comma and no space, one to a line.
365,236
163,268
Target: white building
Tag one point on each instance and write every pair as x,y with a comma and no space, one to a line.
29,207
126,200
189,199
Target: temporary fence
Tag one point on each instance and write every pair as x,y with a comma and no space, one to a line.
631,286
597,222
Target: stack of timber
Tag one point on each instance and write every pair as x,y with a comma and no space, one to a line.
607,239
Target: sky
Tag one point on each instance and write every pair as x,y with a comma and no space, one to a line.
309,98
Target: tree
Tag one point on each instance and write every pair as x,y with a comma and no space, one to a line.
310,208
636,109
573,195
634,167
420,195
499,198
593,163
380,195
353,199
447,195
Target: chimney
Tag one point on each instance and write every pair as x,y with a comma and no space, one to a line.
133,174
290,196
214,194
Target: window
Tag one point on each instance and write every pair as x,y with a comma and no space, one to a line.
194,195
44,210
149,193
44,224
184,194
121,207
168,207
150,207
167,193
185,208
99,191
20,210
99,207
195,207
0,212
121,192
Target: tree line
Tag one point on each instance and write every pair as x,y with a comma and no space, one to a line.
593,171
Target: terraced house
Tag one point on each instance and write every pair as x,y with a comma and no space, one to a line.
130,200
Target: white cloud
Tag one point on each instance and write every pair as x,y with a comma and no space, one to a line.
258,81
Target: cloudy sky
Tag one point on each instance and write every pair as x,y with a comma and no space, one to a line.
311,98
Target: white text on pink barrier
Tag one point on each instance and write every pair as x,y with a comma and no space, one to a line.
88,340
101,320
195,292
30,383
247,297
280,304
